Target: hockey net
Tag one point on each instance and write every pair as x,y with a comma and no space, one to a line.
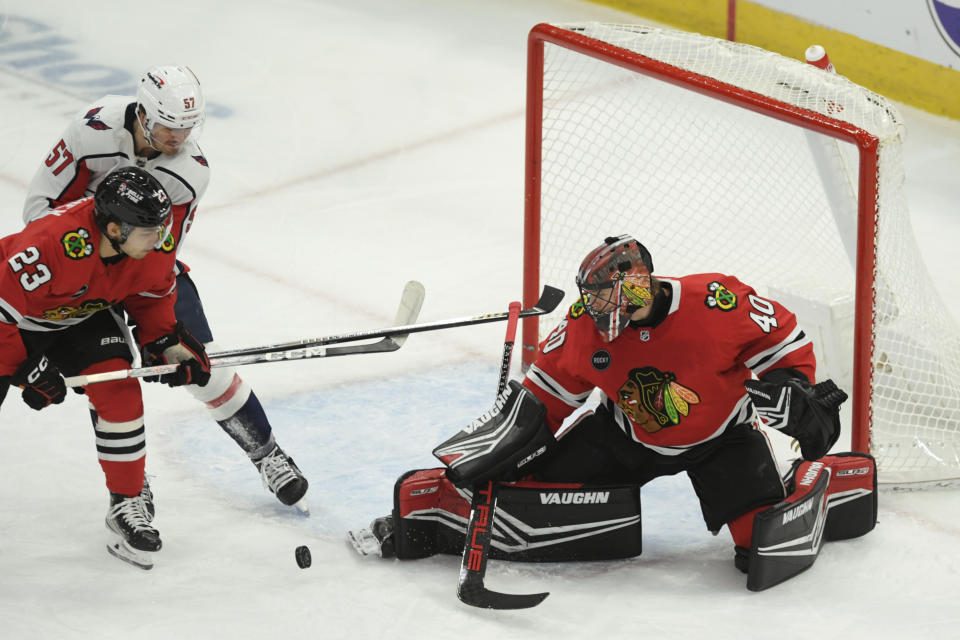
723,157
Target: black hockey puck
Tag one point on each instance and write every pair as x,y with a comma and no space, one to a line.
303,556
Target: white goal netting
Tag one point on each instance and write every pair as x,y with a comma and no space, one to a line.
764,190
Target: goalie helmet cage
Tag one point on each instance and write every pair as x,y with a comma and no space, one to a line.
723,157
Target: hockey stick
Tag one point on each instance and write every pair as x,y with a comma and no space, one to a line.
483,505
550,297
409,310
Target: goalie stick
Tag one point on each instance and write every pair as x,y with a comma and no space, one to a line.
409,310
483,505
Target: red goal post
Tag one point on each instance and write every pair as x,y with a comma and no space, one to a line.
724,157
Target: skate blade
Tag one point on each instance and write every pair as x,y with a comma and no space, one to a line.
364,542
302,507
119,548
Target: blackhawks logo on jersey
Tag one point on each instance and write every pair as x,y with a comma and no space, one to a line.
578,308
169,243
88,308
720,297
653,399
76,244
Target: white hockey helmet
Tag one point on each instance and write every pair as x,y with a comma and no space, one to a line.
170,95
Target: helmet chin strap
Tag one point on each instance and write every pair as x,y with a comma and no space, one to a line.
125,229
145,130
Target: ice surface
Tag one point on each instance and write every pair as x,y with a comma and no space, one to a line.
360,144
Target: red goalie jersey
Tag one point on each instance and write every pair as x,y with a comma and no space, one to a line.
679,383
52,277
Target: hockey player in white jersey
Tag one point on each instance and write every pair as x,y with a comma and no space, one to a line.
157,130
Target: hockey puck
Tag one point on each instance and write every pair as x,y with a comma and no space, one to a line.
303,556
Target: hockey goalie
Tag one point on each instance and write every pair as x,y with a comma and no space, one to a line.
688,367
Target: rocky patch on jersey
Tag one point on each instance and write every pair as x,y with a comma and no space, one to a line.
76,245
720,297
88,308
600,360
94,121
653,399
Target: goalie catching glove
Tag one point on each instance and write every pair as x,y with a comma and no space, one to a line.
786,401
180,348
500,442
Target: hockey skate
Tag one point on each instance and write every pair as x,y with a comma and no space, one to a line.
147,495
282,477
134,540
375,540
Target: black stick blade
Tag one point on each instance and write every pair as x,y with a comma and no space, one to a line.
550,297
473,593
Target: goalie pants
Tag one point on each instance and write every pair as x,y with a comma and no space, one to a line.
731,474
581,501
102,343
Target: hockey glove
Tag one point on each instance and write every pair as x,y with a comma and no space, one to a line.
182,348
500,442
809,413
41,382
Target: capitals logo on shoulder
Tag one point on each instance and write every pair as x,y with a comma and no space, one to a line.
201,160
93,119
946,15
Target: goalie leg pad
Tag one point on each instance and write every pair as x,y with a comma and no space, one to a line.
787,537
533,521
852,495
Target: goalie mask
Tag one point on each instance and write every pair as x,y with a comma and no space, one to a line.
614,281
170,96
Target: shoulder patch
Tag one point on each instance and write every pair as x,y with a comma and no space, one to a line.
94,121
201,160
169,243
577,309
76,244
720,297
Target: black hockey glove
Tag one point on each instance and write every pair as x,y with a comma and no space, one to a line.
182,348
809,413
41,382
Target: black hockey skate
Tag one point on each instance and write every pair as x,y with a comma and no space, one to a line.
147,495
282,477
376,540
134,541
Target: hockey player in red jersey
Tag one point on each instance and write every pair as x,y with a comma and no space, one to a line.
684,365
157,130
62,279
